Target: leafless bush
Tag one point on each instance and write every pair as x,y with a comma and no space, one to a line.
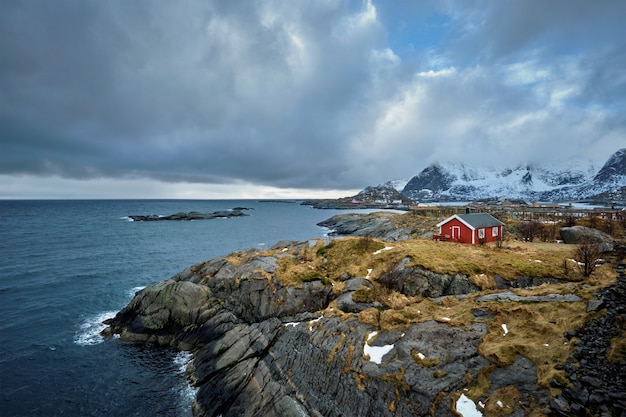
587,255
530,229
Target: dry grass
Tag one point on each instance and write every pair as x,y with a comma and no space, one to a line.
535,331
618,348
355,256
520,258
502,402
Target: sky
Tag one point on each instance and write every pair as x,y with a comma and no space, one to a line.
298,98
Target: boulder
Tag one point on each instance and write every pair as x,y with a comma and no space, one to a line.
581,234
159,311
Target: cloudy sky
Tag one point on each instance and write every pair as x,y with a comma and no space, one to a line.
297,98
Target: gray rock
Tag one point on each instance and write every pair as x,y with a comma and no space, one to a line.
416,281
581,234
595,305
354,284
508,296
377,225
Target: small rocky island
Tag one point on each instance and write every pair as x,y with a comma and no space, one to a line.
192,215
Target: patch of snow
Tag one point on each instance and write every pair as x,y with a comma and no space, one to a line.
383,249
285,249
505,329
446,318
466,407
500,403
314,321
376,353
546,344
421,355
575,261
369,271
292,324
537,260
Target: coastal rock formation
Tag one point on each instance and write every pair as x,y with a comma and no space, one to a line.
263,346
379,225
192,215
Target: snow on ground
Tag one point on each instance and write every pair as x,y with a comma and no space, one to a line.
381,250
466,407
314,321
505,329
376,353
369,271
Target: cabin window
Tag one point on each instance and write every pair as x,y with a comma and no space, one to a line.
494,231
481,233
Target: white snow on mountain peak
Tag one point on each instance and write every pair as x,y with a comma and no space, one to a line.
516,182
556,180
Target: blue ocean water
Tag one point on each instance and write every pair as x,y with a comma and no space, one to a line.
67,265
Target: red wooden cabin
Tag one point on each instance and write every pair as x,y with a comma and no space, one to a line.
474,228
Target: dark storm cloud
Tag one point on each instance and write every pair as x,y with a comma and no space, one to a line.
328,94
197,90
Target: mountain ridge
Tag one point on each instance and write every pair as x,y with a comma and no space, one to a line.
571,179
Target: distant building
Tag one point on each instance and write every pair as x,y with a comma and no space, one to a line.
474,228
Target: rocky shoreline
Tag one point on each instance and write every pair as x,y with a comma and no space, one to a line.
262,346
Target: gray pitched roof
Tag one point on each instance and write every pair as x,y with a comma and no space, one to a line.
478,220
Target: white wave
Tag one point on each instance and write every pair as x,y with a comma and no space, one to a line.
182,360
89,330
128,219
186,393
134,290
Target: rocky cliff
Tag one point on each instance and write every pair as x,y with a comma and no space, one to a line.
357,328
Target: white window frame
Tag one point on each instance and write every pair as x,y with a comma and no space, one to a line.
481,233
494,231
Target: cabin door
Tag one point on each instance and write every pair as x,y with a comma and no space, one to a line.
456,232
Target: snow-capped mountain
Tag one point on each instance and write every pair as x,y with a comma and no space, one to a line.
567,180
395,184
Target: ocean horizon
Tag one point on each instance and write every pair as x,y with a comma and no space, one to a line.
67,265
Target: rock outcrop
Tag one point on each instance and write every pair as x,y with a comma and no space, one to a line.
266,347
192,215
597,380
582,234
379,225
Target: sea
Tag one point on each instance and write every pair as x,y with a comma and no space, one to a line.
65,266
